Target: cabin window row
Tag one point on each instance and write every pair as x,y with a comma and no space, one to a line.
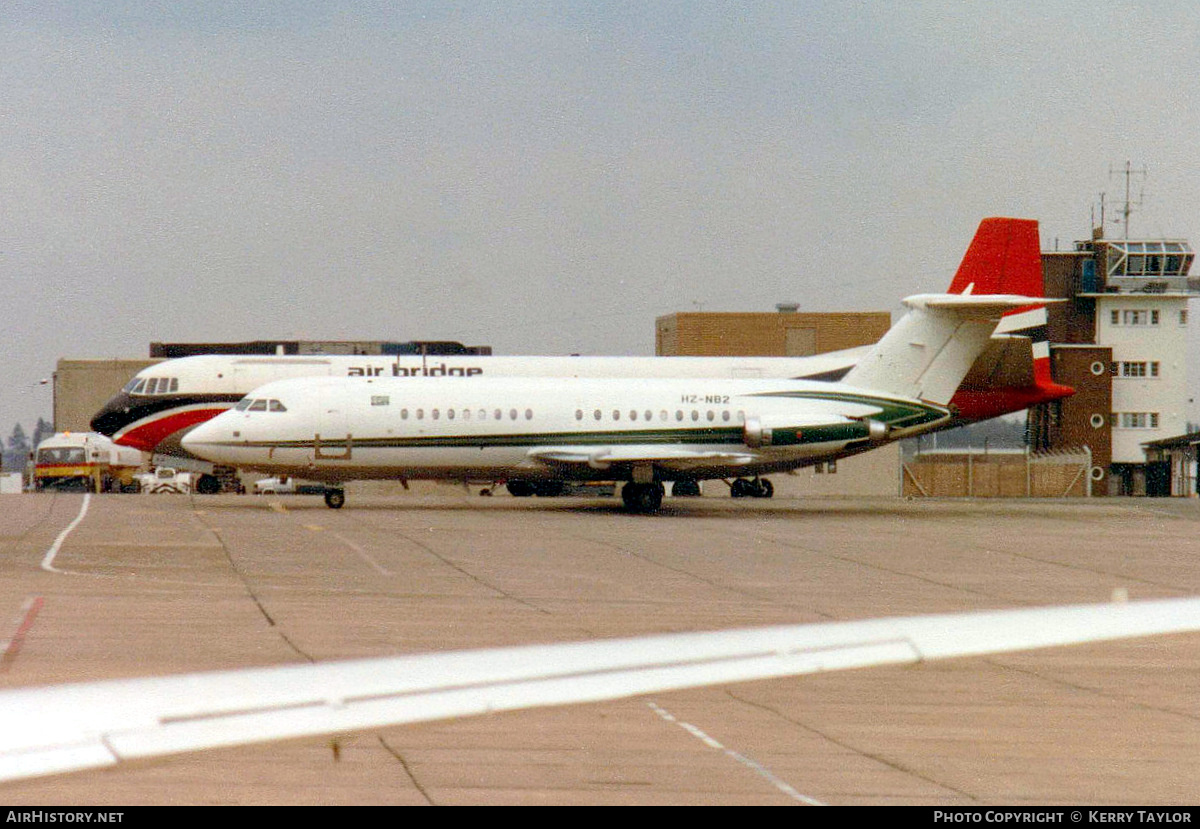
664,416
466,414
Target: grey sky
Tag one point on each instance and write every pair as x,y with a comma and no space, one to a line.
549,177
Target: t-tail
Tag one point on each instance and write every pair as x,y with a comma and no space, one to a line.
928,353
1005,257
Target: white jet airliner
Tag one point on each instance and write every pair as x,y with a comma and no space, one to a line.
641,431
53,730
162,402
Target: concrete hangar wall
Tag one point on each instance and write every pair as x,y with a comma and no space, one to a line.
81,387
788,333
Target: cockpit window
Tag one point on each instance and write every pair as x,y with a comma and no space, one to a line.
153,385
259,405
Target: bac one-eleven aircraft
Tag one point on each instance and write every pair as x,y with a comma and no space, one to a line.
161,403
52,730
639,431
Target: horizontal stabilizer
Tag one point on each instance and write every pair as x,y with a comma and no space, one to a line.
928,353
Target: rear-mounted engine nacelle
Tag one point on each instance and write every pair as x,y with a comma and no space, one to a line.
876,430
755,434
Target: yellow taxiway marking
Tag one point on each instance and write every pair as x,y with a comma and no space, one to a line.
314,527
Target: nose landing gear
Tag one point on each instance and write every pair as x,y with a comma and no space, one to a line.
747,488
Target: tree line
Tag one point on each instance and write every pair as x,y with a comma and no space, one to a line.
19,445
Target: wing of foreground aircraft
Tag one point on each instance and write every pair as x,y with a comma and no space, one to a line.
602,457
70,727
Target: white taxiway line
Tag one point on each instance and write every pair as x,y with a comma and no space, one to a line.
48,559
756,767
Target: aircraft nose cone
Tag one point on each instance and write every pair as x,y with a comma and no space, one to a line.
206,434
112,416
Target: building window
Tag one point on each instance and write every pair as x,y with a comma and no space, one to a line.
1136,317
1154,317
1183,317
1139,368
1138,420
1116,317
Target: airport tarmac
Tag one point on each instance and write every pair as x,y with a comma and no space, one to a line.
164,584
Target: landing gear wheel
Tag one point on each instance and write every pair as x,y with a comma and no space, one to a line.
764,488
642,497
335,498
208,485
685,489
742,488
519,489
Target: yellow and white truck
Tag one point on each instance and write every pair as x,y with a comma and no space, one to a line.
85,461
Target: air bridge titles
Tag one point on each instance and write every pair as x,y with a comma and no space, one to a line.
1056,816
435,370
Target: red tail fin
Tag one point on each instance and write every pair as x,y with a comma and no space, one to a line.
1005,257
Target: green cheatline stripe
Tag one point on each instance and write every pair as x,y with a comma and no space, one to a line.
895,413
654,436
781,436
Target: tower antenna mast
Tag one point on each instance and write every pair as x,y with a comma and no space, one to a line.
1127,207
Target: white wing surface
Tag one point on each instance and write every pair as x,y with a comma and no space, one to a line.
69,727
602,457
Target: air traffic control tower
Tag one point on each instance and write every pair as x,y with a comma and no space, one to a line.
1120,340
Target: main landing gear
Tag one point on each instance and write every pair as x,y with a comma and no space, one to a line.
642,497
746,488
335,498
686,488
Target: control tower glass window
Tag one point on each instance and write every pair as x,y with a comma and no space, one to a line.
1149,259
